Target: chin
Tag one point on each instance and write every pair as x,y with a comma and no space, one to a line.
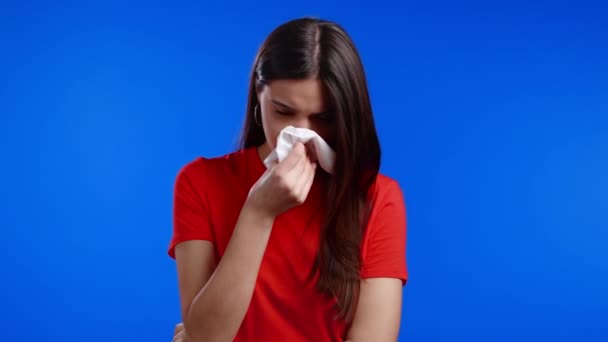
267,147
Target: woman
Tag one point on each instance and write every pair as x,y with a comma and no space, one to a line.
290,252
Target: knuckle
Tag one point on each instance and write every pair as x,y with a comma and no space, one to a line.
278,176
282,183
298,197
289,193
292,196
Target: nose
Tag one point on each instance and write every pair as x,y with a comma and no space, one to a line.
302,123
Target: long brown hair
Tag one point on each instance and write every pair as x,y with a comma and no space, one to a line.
314,48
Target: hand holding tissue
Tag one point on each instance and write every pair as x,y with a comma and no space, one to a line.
290,135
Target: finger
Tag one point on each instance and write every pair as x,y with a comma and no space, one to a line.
178,328
300,172
293,175
295,155
272,166
181,337
310,150
311,179
291,179
308,178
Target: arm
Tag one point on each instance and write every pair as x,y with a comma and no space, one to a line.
384,269
214,302
378,312
215,299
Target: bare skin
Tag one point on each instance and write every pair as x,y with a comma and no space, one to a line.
207,313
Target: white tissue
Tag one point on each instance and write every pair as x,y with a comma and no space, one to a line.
290,135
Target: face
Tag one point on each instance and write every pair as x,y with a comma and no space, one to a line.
299,103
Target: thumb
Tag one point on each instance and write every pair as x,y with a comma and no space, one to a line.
178,328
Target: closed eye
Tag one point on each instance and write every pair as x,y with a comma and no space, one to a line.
283,112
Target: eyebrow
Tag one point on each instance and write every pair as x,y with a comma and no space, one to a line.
290,108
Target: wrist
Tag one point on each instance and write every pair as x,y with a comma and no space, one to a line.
257,215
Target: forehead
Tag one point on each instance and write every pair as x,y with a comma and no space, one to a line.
304,95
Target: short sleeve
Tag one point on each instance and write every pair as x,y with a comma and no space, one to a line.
190,209
384,243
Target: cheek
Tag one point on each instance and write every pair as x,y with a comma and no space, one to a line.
271,131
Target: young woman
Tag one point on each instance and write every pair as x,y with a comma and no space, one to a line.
290,252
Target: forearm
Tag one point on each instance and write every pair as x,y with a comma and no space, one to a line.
217,311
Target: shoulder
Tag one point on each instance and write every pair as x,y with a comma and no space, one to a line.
203,167
387,208
386,190
384,239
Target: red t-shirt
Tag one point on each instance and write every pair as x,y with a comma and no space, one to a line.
209,194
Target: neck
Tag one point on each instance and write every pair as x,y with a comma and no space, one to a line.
263,151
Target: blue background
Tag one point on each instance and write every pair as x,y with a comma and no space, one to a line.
493,118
